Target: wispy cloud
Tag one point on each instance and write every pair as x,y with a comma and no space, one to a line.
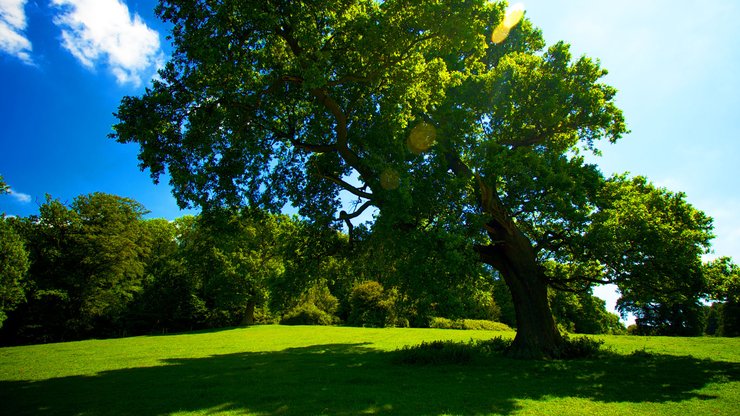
20,197
13,40
104,30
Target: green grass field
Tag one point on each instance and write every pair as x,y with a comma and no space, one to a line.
274,370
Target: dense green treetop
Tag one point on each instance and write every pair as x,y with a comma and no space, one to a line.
269,102
650,241
723,280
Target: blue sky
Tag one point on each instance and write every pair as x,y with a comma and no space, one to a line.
65,65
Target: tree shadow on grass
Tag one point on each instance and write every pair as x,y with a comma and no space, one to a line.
347,379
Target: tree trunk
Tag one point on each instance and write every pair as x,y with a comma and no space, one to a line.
249,313
537,335
512,254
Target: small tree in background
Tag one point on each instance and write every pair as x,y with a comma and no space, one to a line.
14,265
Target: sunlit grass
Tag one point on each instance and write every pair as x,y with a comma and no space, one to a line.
273,370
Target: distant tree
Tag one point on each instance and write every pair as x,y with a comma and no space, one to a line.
723,286
13,268
583,313
313,256
169,299
234,255
372,305
649,241
112,248
87,263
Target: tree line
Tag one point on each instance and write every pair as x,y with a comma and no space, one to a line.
98,268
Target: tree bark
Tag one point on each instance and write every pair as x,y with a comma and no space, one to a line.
249,313
537,335
514,256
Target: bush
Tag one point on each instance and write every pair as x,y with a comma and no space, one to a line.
371,306
308,314
449,352
471,324
580,347
436,352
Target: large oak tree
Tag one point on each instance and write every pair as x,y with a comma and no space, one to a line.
448,116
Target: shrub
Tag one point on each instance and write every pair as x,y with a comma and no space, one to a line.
436,352
371,305
308,314
471,324
496,345
449,352
580,347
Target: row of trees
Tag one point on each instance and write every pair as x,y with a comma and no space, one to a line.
98,268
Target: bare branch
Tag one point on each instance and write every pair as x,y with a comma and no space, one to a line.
357,212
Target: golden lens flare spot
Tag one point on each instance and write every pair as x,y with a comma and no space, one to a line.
422,138
389,179
512,17
499,34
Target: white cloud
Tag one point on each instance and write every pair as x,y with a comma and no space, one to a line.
104,30
20,197
12,25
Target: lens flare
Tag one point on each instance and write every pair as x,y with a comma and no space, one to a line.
389,179
499,34
421,138
512,17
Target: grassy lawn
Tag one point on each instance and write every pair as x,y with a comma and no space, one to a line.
274,370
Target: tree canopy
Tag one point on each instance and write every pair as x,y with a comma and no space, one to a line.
453,118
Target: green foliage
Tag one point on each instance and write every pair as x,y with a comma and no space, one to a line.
448,352
674,319
232,257
14,265
650,242
583,313
316,307
87,265
730,323
4,188
723,280
470,324
371,305
169,298
264,103
580,347
437,352
308,314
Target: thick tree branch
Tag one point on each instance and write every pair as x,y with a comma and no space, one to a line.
561,284
343,184
347,218
313,148
342,143
529,141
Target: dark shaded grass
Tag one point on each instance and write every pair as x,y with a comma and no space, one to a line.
344,379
